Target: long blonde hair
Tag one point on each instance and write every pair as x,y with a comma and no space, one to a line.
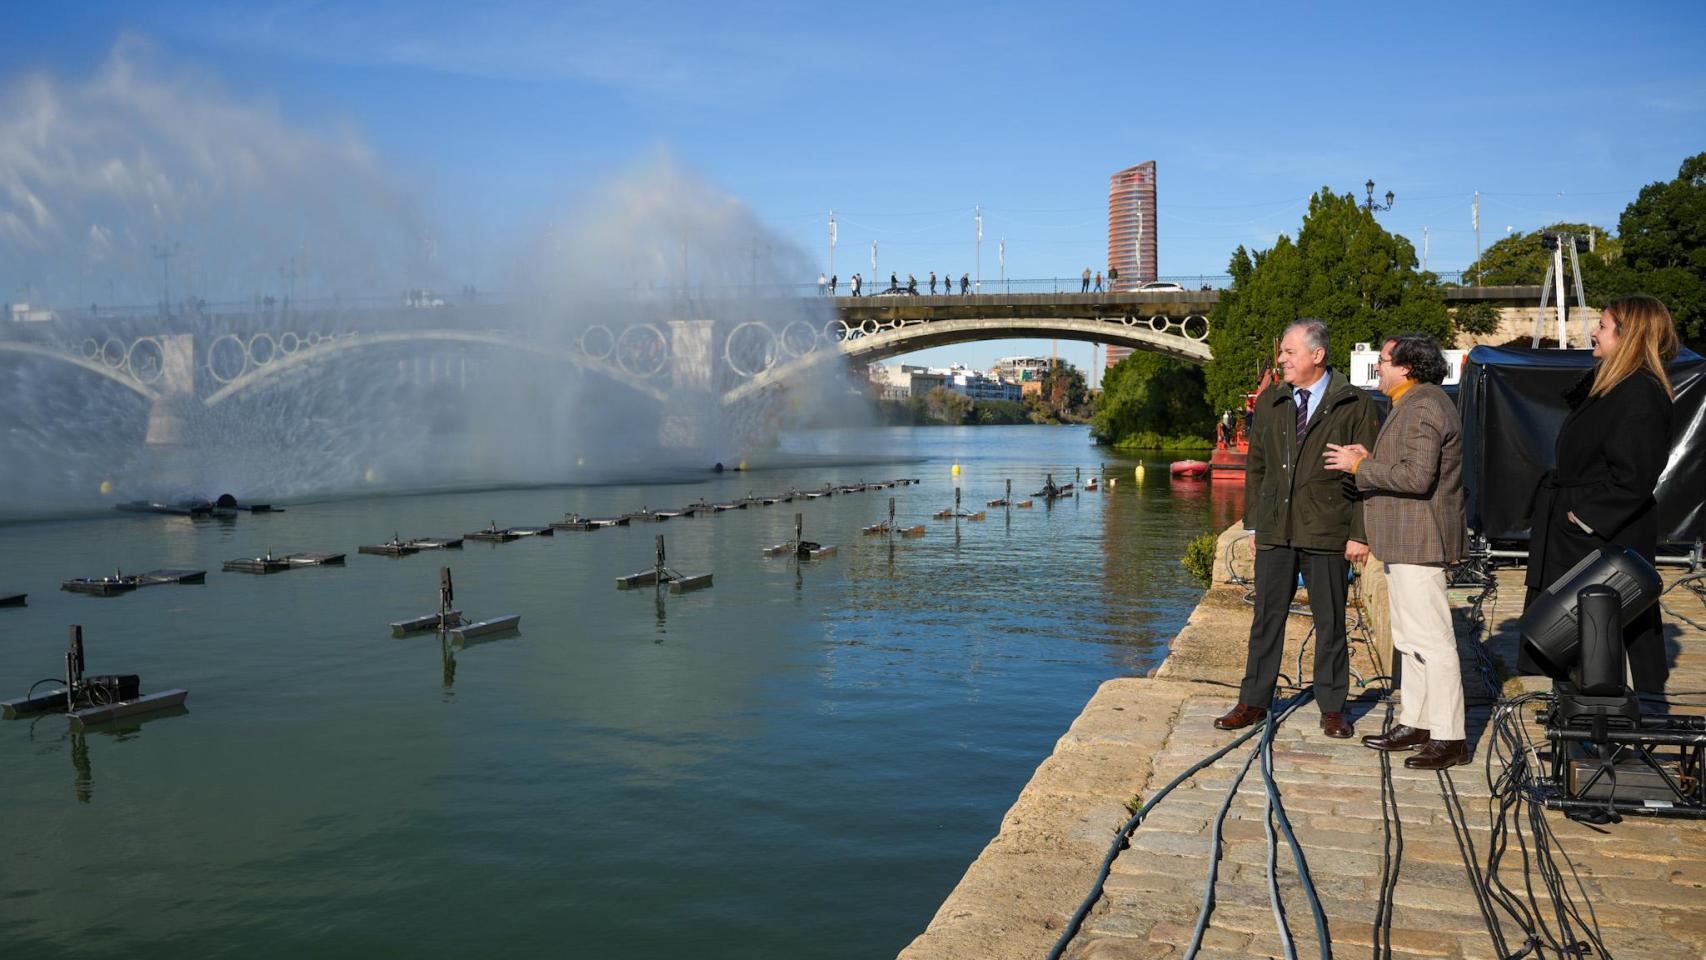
1646,338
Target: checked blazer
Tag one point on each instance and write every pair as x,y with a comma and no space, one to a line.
1412,482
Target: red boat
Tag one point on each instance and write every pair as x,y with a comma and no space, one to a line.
1190,469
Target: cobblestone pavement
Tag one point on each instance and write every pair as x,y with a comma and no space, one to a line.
1645,879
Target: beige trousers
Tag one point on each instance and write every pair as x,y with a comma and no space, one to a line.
1422,635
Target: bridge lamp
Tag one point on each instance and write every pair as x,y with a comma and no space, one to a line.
1369,204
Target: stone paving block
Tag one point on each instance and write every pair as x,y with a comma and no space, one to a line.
1179,934
1121,948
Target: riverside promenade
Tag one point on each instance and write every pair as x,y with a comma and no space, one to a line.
1645,879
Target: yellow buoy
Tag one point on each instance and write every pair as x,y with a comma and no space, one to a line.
1138,473
106,487
956,470
1113,482
370,475
742,466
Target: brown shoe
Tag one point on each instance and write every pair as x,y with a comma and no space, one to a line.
1239,717
1397,738
1438,755
1336,726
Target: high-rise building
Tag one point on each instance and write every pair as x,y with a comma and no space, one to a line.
1131,225
1131,233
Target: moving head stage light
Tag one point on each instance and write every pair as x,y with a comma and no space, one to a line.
1575,629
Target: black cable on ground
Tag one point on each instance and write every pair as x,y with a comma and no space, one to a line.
1122,836
1471,864
1391,849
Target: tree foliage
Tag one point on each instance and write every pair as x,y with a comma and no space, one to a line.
1343,268
1064,398
1148,397
1521,259
946,406
1663,234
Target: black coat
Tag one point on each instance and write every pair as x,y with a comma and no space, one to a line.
1291,499
1610,453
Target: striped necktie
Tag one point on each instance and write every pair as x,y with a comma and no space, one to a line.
1302,413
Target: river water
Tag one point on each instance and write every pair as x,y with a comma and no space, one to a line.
800,762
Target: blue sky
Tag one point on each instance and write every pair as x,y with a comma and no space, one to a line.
484,120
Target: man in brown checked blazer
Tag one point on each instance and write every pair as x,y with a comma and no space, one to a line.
1412,488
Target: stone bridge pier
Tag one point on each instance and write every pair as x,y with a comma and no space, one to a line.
686,423
175,403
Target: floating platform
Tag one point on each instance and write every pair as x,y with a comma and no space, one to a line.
313,559
958,515
875,529
435,543
107,712
171,575
912,533
758,502
998,502
53,701
574,521
265,564
701,508
645,578
544,531
1091,486
492,535
644,515
180,508
391,548
12,599
486,628
729,505
682,584
101,586
1024,504
402,628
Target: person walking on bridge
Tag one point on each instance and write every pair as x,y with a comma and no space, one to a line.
832,284
1412,487
932,282
965,284
822,283
1085,286
1098,281
1307,519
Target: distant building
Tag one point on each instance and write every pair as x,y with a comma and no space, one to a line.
23,313
903,381
1131,234
1020,369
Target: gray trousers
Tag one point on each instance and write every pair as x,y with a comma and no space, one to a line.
1276,585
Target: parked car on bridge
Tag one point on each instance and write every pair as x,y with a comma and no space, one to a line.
1157,286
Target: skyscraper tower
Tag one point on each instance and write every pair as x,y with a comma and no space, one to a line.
1131,233
1131,225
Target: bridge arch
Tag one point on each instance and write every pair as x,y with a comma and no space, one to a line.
1139,333
307,355
119,374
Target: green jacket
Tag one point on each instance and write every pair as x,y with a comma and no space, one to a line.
1290,498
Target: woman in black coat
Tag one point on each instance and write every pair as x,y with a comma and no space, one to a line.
1611,450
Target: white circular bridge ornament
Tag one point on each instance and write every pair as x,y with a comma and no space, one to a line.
597,342
642,351
146,360
799,338
750,349
235,354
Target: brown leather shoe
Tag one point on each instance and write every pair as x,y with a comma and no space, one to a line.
1397,738
1335,725
1239,717
1438,755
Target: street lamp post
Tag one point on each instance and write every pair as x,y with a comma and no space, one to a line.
977,212
1368,203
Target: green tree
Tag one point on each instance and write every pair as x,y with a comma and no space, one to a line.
1152,401
1343,268
1479,318
1064,397
1521,258
946,406
1663,233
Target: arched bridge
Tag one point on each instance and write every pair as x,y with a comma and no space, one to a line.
726,351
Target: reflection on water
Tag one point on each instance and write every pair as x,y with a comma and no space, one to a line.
720,773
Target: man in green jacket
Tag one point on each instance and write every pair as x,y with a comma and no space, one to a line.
1307,518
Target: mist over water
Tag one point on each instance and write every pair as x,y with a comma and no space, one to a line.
145,175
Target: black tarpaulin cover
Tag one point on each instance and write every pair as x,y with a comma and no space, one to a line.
1513,406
